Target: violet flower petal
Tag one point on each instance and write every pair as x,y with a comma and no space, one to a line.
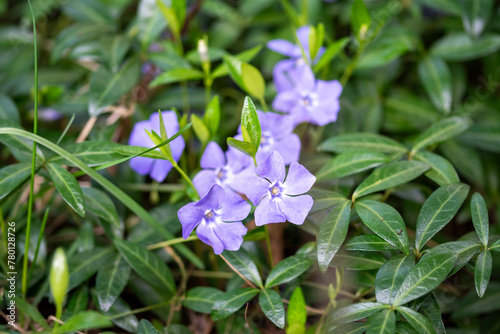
213,157
189,216
273,168
231,234
267,212
255,188
299,180
295,209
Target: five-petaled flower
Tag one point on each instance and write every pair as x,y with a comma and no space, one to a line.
156,168
218,217
275,198
225,170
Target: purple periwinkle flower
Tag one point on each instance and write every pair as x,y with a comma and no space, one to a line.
225,170
275,198
218,217
156,168
310,100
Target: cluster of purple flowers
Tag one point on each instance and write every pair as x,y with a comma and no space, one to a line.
229,180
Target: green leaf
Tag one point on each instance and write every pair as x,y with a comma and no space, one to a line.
78,302
114,49
253,82
234,67
383,323
250,122
85,264
84,321
441,131
465,159
369,242
479,212
391,275
231,302
176,75
442,171
8,109
483,136
91,11
200,129
69,188
242,146
495,247
148,266
351,328
59,277
360,19
107,87
13,176
120,314
272,306
330,53
324,199
350,163
390,176
201,299
101,205
354,260
430,309
431,271
362,141
170,17
32,313
464,249
212,115
472,305
385,221
244,56
296,313
404,327
242,261
111,279
438,210
332,233
475,15
92,153
150,22
436,79
145,327
461,47
316,38
482,272
355,312
287,270
417,320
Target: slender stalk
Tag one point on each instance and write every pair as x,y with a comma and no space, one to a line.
58,316
139,310
269,250
171,242
237,272
40,236
33,163
185,177
4,231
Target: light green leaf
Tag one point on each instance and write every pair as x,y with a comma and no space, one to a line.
231,301
479,212
13,176
332,233
360,19
242,261
482,272
212,115
176,75
234,67
441,131
242,146
391,275
483,136
438,210
385,221
390,176
244,56
330,53
69,188
355,312
383,323
287,270
361,142
150,22
92,153
200,129
272,306
436,79
369,242
253,82
111,279
296,313
84,321
442,171
424,277
350,163
461,47
418,321
201,299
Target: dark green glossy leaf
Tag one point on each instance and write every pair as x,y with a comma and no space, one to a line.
479,212
389,176
332,233
461,47
417,320
441,131
119,313
482,272
360,19
385,221
145,327
98,203
85,264
475,15
430,309
496,246
201,299
287,270
438,210
324,199
31,312
362,141
355,260
13,176
436,79
111,280
464,249
383,323
442,171
272,306
84,320
350,163
369,242
242,261
391,275
231,301
355,312
93,153
78,302
69,188
176,75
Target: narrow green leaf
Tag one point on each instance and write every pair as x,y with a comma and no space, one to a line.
111,280
391,275
101,205
330,53
170,17
242,261
389,176
385,221
425,277
231,302
145,327
79,301
250,123
84,321
119,313
297,313
418,321
253,82
354,260
464,249
234,67
13,176
69,188
496,246
475,15
430,309
442,171
244,56
176,75
150,22
350,163
483,136
362,142
438,210
149,266
383,323
436,79
242,146
355,312
465,159
332,233
324,199
91,11
31,312
85,264
459,47
441,131
212,116
482,272
369,242
287,270
201,299
200,129
479,212
360,19
272,306
92,153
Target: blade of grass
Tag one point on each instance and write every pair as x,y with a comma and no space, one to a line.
66,129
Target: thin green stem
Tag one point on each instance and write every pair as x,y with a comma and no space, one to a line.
263,103
185,177
4,231
185,97
40,237
58,316
33,163
139,310
171,242
269,250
